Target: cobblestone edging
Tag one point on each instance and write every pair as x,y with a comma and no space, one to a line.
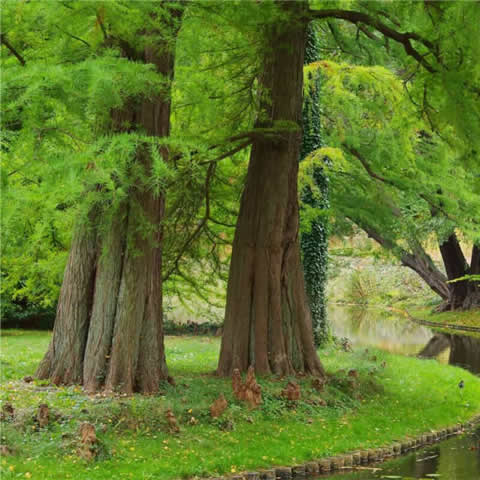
349,461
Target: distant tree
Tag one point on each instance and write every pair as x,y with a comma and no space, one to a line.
400,183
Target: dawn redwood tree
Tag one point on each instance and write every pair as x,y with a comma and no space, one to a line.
108,330
267,319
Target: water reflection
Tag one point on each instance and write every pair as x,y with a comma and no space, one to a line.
463,351
455,459
376,328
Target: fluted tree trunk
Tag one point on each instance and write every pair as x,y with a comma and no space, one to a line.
267,319
464,294
108,330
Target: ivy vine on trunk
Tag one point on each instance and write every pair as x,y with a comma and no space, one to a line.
314,241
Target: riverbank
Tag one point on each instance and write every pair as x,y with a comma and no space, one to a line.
384,399
467,322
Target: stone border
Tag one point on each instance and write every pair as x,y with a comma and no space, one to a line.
349,461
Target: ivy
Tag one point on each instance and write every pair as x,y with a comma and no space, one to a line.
314,201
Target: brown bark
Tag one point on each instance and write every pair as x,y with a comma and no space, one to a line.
464,294
472,300
109,329
102,320
457,295
63,362
267,318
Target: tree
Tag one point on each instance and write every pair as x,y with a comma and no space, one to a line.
108,330
267,318
396,180
407,173
108,327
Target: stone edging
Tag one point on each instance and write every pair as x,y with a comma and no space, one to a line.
350,461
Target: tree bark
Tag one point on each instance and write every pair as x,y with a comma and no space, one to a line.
267,319
472,300
63,362
421,263
464,294
456,266
109,328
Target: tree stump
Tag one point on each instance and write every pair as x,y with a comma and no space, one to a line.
43,415
291,392
218,406
172,421
250,391
88,440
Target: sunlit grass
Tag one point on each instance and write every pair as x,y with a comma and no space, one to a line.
468,318
408,396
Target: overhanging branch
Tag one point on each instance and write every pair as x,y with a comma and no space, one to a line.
404,38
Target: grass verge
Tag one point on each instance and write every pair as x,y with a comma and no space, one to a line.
469,318
405,396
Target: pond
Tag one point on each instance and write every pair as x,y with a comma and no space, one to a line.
457,458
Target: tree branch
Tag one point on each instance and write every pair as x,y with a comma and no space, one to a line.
404,38
74,37
12,50
199,227
387,181
419,261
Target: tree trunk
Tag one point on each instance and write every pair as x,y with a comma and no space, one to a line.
464,294
63,362
267,319
109,329
456,266
421,263
472,299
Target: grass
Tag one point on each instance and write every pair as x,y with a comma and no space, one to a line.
407,397
470,318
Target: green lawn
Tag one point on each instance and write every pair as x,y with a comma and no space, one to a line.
470,318
408,396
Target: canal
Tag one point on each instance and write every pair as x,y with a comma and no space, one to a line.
457,458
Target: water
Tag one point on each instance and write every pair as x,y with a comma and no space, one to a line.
457,458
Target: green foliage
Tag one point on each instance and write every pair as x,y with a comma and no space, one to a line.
389,173
415,125
62,155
